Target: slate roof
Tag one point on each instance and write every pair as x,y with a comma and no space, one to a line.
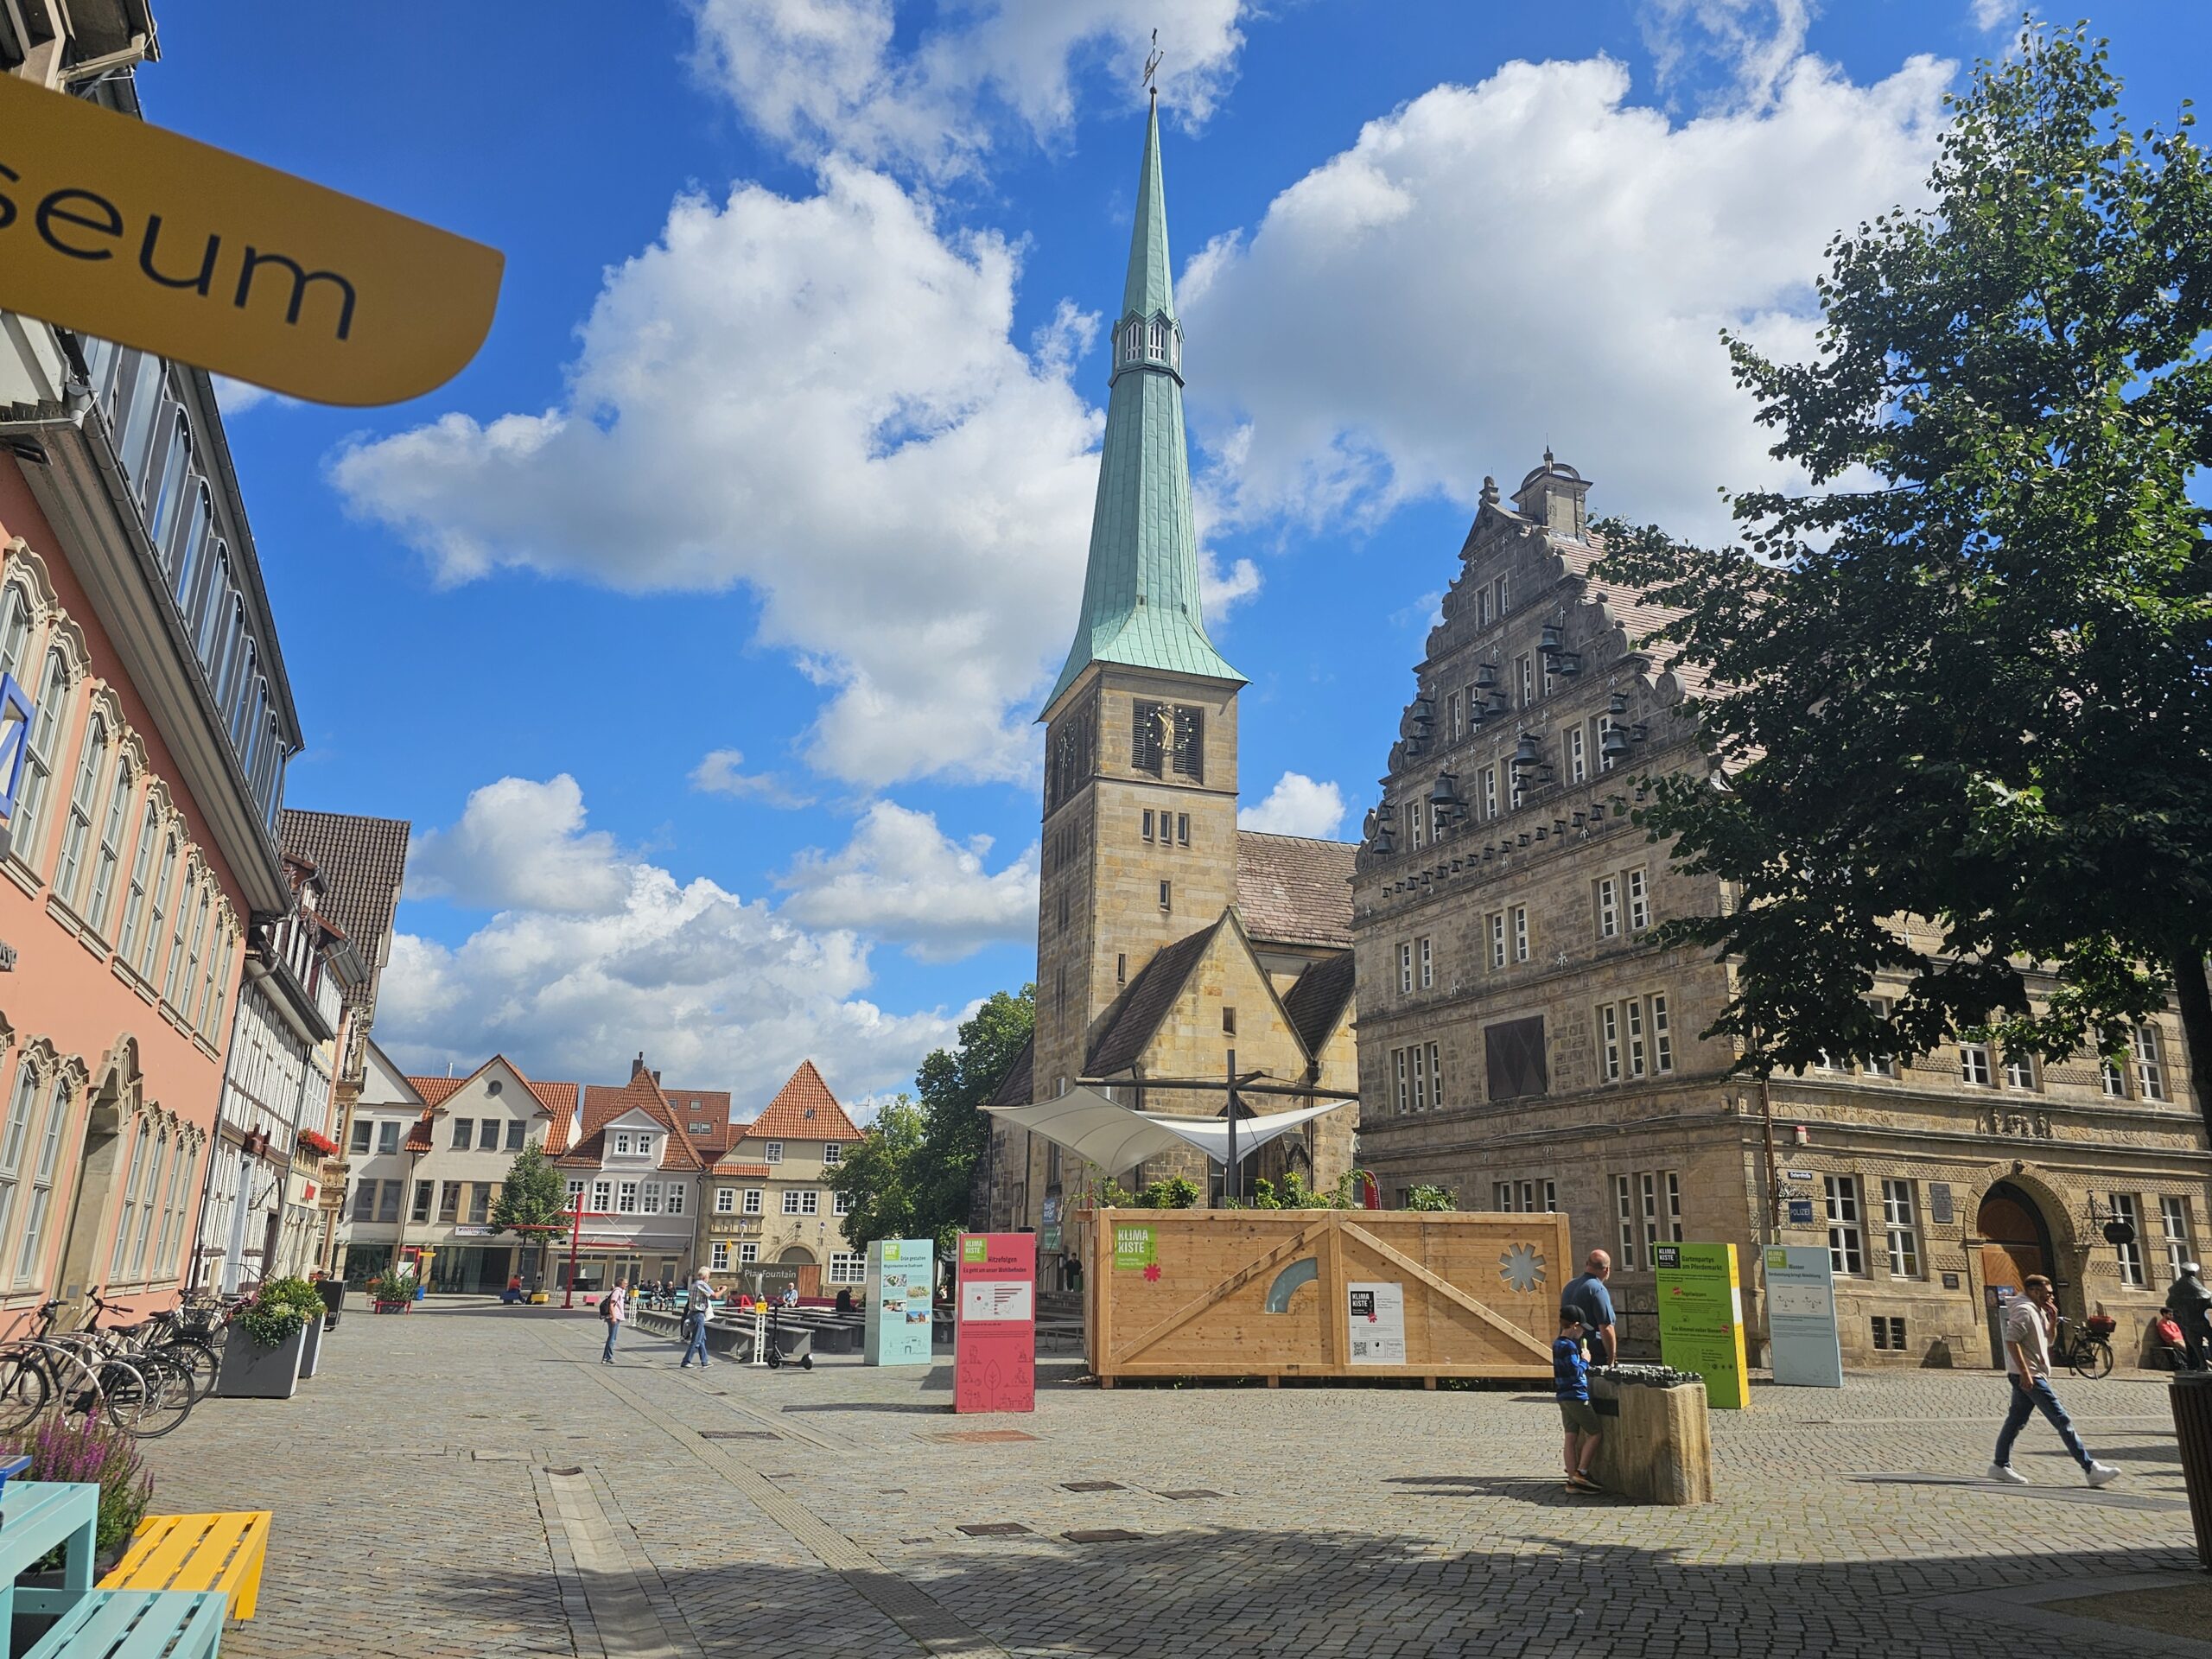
804,1109
1132,1020
1291,890
1015,1088
363,863
1320,998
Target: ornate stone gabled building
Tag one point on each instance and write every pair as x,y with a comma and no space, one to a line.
1524,1041
1168,938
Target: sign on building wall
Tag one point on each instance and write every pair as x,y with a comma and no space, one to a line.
113,227
901,1276
1701,1318
994,1323
1801,1316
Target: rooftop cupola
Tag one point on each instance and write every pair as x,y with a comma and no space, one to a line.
1141,588
1552,495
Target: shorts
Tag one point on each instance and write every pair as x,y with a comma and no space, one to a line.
1580,1416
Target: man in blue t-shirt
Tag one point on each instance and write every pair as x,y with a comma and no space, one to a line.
1588,1297
1571,1386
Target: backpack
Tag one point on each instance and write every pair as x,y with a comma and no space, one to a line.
606,1309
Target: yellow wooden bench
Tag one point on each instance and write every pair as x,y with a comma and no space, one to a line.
224,1552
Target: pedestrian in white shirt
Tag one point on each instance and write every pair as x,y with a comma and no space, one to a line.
2030,1319
698,1308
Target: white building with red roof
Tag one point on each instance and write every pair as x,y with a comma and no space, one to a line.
770,1218
636,1165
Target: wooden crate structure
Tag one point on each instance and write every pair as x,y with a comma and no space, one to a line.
1269,1292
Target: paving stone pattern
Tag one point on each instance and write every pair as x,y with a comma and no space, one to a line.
425,1507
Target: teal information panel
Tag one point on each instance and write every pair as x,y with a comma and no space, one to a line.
901,1278
1801,1316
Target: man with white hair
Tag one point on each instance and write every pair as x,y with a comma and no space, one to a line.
1587,1297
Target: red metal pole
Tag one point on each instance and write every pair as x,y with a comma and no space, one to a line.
576,1232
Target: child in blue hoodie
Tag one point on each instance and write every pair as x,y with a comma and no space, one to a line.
1571,1387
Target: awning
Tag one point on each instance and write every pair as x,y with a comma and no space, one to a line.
1116,1137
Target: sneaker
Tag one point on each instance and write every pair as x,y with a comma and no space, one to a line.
1582,1483
2005,1472
2101,1474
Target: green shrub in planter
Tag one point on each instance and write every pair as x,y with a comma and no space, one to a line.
271,1319
96,1451
393,1287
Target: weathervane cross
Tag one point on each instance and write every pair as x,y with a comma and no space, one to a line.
1152,63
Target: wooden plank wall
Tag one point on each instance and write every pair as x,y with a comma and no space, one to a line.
1481,1293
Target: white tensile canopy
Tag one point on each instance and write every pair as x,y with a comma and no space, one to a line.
1116,1137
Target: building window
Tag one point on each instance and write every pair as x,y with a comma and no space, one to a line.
2173,1222
602,1197
840,1203
1527,1198
1524,668
1497,939
675,1198
1456,716
1662,1037
1421,1080
1639,902
791,1203
462,1127
1633,1011
2130,1254
1521,933
1624,1211
1183,828
362,1130
515,1129
649,1199
1147,826
833,1152
2150,1070
134,896
77,834
1490,792
1403,1073
848,1268
1974,1064
1167,895
364,1199
575,1192
1609,906
725,1200
626,1198
1609,1041
449,1201
480,1203
1578,764
1662,1192
1881,1065
810,1202
388,1201
488,1134
718,1256
1605,761
2113,1079
1901,1227
774,1153
753,1200
388,1137
1428,966
1846,1247
748,1254
621,1142
1405,969
1889,1333
2020,1071
1435,1077
423,1192
38,754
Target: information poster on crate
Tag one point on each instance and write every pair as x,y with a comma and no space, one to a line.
1701,1318
901,1276
1801,1316
994,1323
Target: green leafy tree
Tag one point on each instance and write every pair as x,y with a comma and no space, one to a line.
926,1158
1966,677
533,1195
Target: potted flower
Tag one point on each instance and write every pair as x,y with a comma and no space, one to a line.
304,1296
321,1144
263,1347
393,1291
97,1452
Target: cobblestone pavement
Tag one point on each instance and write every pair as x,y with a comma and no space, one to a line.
469,1480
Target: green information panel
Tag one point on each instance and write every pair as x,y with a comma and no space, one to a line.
1133,1248
1701,1318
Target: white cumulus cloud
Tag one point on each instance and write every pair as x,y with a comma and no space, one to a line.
1536,259
721,771
824,76
902,878
1297,807
819,398
594,954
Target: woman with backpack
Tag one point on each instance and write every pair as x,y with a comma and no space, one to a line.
612,1309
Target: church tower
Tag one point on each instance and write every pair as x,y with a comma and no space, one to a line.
1139,839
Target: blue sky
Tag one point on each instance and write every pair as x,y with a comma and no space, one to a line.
698,625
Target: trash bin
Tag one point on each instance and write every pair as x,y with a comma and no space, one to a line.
333,1292
2190,1394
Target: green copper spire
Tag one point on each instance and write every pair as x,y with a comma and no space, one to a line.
1140,592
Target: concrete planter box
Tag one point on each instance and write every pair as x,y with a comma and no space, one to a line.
249,1371
310,1347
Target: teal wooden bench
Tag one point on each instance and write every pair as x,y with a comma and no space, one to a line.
136,1624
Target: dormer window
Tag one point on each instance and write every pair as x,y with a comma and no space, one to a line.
622,1143
775,1153
1156,339
644,1145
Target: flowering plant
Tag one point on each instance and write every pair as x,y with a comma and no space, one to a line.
318,1143
274,1314
95,1452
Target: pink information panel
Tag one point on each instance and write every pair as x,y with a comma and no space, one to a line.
994,1323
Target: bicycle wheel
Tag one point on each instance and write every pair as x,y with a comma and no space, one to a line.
2092,1359
167,1399
125,1395
23,1391
198,1359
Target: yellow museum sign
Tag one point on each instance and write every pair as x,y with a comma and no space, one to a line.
122,231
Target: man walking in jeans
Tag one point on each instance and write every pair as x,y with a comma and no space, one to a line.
2028,1322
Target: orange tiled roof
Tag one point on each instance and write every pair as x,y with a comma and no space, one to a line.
603,1104
804,1109
756,1172
435,1090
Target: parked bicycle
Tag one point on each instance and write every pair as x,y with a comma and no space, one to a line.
159,1339
2084,1350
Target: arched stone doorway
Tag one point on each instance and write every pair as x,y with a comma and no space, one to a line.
806,1271
2016,1239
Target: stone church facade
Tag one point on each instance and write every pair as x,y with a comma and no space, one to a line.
1171,943
1524,1041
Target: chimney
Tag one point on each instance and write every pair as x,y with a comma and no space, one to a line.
655,1079
637,1065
